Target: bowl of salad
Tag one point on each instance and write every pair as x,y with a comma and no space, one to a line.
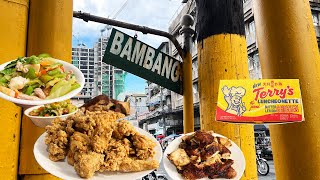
43,115
38,80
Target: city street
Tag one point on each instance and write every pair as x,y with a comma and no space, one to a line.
271,175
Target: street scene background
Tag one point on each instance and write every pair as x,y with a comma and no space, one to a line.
156,109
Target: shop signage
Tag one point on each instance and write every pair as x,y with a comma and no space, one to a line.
260,101
138,58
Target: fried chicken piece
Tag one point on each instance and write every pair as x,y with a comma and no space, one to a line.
56,153
144,146
123,129
192,172
179,158
100,141
129,146
84,124
79,142
88,163
57,140
102,134
115,154
133,165
70,157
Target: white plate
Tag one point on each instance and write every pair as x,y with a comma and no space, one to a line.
65,171
236,154
28,103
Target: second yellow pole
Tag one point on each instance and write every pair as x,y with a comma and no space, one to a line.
49,31
288,49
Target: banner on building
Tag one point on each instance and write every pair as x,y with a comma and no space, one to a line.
131,55
260,101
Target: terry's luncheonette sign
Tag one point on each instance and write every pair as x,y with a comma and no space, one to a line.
260,101
131,55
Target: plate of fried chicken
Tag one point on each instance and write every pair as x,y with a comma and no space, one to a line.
203,155
95,144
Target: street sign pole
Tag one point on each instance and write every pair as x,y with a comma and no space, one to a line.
188,113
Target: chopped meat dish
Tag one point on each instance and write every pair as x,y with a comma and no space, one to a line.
94,140
203,155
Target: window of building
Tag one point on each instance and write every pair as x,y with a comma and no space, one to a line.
252,28
195,87
247,30
315,17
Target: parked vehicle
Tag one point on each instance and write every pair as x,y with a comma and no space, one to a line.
154,176
160,138
262,164
167,140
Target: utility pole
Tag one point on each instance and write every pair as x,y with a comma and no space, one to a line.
288,49
136,106
163,119
222,54
187,22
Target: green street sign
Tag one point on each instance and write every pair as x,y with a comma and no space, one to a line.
128,53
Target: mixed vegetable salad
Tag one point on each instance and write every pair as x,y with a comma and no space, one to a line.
36,78
54,109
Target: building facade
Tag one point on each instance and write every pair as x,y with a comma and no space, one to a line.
83,58
176,101
252,45
164,117
138,107
100,78
112,79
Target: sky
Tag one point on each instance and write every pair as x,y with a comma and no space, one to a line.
152,13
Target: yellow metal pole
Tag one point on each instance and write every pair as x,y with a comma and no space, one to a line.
222,54
49,31
13,35
188,112
288,49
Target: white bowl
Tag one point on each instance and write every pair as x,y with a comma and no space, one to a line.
44,121
28,103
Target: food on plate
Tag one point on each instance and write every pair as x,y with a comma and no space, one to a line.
104,103
36,78
96,141
203,155
54,109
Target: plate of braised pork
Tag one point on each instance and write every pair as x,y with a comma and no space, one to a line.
203,155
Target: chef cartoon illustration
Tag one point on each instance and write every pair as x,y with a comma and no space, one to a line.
233,96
